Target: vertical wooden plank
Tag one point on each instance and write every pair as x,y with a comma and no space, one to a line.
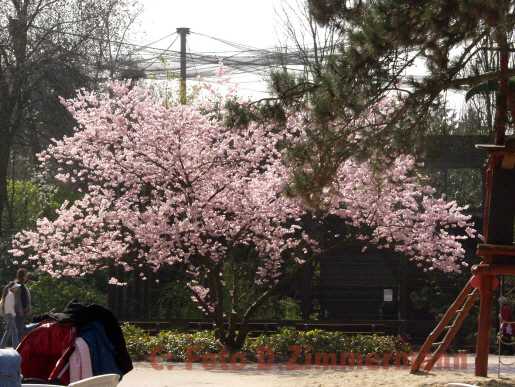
501,208
484,325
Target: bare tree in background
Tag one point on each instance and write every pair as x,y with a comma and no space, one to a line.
50,48
307,41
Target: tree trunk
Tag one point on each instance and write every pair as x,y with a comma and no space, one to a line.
5,151
251,311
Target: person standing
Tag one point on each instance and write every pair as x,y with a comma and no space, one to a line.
22,302
9,313
507,327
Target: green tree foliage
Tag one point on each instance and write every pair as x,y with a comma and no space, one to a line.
382,43
30,200
48,293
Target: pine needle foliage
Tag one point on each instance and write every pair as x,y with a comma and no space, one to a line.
382,42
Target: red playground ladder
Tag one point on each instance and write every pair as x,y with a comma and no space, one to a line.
458,310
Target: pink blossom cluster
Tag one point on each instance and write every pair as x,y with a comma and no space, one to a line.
168,185
392,208
164,186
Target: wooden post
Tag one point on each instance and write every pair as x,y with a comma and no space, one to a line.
484,325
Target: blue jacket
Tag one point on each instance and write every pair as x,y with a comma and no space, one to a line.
100,348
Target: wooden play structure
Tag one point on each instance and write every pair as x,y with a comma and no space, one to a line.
498,254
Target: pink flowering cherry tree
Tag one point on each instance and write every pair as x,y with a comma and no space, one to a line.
173,186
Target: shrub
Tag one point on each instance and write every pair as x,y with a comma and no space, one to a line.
319,341
175,344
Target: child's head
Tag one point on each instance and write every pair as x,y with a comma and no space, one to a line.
12,286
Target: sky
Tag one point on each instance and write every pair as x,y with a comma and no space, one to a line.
248,24
252,24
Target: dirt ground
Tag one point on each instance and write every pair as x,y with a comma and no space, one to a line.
193,375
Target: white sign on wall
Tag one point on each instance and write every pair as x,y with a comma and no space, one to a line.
388,294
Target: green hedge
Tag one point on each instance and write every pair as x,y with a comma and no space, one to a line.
174,346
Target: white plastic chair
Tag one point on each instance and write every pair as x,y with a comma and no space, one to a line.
109,380
37,385
460,385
